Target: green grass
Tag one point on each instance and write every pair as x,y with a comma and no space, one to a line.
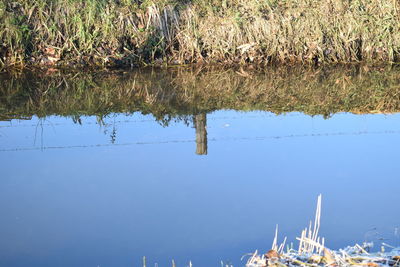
129,32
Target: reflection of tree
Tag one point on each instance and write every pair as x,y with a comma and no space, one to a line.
113,135
200,123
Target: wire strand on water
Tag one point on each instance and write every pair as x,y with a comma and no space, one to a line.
259,138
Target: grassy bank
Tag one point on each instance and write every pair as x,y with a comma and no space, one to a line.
182,93
132,32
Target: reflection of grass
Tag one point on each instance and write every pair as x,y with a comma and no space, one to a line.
178,92
237,31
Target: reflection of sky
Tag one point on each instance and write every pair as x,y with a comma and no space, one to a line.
150,194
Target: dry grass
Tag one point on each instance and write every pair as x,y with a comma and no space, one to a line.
127,32
312,252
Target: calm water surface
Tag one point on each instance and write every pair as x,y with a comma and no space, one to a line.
211,189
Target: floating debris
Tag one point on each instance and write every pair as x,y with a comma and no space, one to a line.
312,252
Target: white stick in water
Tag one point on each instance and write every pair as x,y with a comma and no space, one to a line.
275,242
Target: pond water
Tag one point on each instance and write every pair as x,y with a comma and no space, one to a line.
88,184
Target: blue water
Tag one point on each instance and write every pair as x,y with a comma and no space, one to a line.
108,194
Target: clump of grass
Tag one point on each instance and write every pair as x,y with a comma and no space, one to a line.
312,252
296,31
93,31
131,32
